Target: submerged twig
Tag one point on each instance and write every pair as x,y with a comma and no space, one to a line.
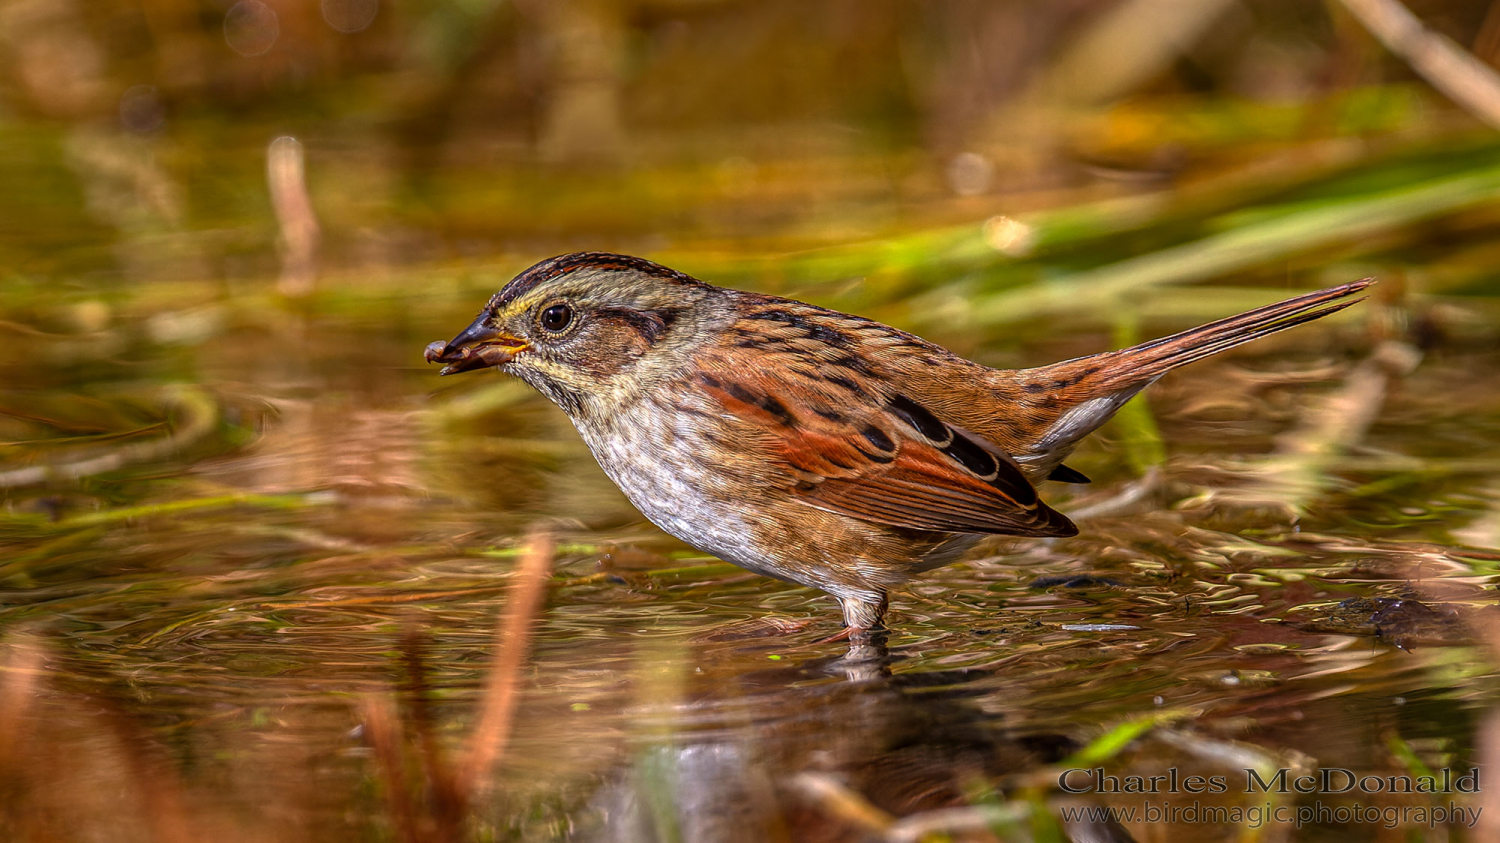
1234,755
448,803
161,792
439,810
198,415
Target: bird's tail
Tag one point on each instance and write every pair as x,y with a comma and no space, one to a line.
1141,364
1090,389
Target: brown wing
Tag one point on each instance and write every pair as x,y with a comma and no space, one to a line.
847,448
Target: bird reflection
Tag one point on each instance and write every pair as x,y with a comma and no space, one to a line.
896,743
868,658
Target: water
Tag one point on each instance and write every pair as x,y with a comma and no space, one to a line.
254,552
279,521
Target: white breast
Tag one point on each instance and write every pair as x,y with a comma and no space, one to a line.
655,459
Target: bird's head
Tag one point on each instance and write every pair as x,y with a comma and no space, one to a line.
587,329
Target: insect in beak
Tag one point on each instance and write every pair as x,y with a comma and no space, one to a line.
480,346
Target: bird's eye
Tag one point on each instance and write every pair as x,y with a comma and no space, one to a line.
557,317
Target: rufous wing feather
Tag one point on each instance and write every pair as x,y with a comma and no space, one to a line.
883,459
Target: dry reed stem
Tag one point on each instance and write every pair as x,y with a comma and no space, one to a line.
287,181
160,794
18,688
1447,66
382,728
447,801
838,800
512,643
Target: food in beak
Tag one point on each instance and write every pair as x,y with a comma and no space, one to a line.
469,357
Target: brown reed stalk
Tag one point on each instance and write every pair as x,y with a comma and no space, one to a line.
447,803
487,743
386,736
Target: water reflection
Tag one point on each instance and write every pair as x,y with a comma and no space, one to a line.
812,759
227,566
635,723
228,504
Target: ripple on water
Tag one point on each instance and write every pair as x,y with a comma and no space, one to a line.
250,631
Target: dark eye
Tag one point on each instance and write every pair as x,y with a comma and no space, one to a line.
557,317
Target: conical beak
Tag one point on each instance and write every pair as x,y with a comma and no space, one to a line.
479,346
473,335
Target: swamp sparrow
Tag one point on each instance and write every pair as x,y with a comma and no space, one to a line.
807,444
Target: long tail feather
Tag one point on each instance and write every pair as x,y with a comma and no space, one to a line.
1150,360
1083,393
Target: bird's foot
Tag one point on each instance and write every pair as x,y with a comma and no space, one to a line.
848,633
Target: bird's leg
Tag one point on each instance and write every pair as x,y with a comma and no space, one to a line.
863,614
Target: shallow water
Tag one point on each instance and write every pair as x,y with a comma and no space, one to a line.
254,552
303,524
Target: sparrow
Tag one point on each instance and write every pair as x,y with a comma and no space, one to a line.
810,445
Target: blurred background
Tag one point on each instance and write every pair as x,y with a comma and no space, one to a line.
449,132
253,552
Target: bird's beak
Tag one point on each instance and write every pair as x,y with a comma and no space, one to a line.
478,347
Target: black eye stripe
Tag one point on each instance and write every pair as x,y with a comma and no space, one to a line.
651,325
